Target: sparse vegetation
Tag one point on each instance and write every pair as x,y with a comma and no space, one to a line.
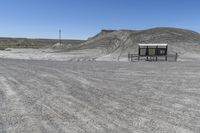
32,43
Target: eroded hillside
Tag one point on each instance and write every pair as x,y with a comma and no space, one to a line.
116,44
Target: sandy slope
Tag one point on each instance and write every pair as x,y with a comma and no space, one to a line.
88,54
77,97
52,54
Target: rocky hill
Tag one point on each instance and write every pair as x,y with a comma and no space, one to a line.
116,44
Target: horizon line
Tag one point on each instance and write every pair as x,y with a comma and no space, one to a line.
46,38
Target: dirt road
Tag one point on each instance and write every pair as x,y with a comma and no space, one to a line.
84,97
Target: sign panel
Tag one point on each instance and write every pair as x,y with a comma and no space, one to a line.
152,51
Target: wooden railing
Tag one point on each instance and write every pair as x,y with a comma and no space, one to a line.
172,57
132,57
169,57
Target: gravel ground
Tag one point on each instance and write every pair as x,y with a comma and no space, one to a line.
88,97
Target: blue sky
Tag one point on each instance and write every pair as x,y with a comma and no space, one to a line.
80,19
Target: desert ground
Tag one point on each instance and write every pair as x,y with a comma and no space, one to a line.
86,97
88,86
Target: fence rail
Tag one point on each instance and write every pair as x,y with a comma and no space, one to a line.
169,57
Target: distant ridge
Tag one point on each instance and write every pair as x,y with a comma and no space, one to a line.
6,42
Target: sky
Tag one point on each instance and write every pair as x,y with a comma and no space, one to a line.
80,19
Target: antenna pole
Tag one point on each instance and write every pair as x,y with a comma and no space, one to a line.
60,32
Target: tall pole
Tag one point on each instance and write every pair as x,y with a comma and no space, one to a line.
60,32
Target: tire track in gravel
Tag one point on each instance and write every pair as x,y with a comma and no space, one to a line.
84,87
15,70
31,102
15,114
